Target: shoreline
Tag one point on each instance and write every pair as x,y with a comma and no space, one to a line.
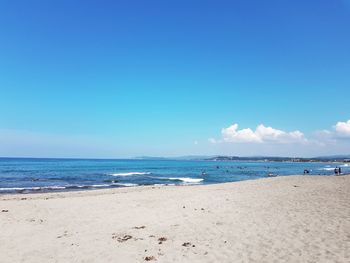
284,219
103,189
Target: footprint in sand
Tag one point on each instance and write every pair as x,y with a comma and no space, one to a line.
63,235
187,244
121,239
139,227
161,240
149,258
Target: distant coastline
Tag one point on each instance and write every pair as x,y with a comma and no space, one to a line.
280,159
326,159
331,159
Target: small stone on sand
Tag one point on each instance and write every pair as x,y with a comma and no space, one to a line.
149,258
139,227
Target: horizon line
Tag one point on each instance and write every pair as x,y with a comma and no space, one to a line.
184,157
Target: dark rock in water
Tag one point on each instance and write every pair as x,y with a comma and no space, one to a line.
271,175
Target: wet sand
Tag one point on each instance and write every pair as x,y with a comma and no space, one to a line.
282,219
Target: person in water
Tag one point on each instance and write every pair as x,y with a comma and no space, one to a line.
336,170
339,170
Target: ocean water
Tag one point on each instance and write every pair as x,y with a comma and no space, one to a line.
24,175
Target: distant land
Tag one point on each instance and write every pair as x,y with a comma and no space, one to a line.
331,158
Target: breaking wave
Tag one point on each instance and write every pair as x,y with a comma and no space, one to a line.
130,173
186,179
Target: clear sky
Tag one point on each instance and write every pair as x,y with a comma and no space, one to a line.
130,78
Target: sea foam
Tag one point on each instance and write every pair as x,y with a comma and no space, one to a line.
186,179
124,184
327,168
182,179
51,188
130,173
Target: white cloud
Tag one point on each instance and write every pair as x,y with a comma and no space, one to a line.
262,134
232,134
343,128
266,134
341,131
266,140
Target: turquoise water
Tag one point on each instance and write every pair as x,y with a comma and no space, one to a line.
36,175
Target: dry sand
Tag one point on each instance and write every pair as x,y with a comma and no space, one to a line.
283,219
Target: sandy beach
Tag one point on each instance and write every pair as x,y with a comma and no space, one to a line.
282,219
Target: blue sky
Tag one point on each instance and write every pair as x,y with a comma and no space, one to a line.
129,78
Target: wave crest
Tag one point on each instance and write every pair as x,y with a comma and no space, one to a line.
186,179
327,169
130,173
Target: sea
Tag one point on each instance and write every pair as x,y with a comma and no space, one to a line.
28,175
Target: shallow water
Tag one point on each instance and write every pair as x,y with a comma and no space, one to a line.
37,175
